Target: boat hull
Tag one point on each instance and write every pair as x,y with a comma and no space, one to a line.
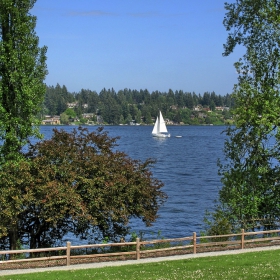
161,135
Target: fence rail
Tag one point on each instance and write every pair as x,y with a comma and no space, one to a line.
139,248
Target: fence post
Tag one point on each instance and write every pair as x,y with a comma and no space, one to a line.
194,242
68,249
137,248
242,239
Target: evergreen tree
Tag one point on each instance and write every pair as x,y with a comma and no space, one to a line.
111,105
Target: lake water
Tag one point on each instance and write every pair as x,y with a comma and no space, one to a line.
186,165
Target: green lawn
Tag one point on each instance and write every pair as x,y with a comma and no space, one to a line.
257,265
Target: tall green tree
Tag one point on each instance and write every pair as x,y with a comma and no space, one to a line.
250,196
22,72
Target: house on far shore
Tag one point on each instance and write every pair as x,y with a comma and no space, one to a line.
51,120
88,115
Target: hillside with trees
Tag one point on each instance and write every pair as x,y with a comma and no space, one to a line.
136,106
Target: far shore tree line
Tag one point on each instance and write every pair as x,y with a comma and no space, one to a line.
136,107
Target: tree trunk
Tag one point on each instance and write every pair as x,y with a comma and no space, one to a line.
13,239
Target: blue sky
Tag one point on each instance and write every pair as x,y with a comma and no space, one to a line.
136,44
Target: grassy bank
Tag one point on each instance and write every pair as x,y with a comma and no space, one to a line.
256,265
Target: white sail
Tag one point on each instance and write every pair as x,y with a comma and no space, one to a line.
162,126
155,130
160,129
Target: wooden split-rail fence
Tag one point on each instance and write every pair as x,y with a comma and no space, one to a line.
70,254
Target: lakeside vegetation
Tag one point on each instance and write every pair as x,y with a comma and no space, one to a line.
135,107
250,192
76,182
253,265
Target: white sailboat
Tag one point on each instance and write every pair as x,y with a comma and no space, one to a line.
160,129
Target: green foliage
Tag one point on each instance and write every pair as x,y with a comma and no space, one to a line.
70,113
22,72
250,176
202,238
64,118
105,240
217,223
19,247
75,183
160,245
127,105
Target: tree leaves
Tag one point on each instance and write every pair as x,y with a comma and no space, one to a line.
22,72
250,193
77,183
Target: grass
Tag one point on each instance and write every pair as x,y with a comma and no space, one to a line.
256,265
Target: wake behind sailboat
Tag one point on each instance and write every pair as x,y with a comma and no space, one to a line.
160,129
